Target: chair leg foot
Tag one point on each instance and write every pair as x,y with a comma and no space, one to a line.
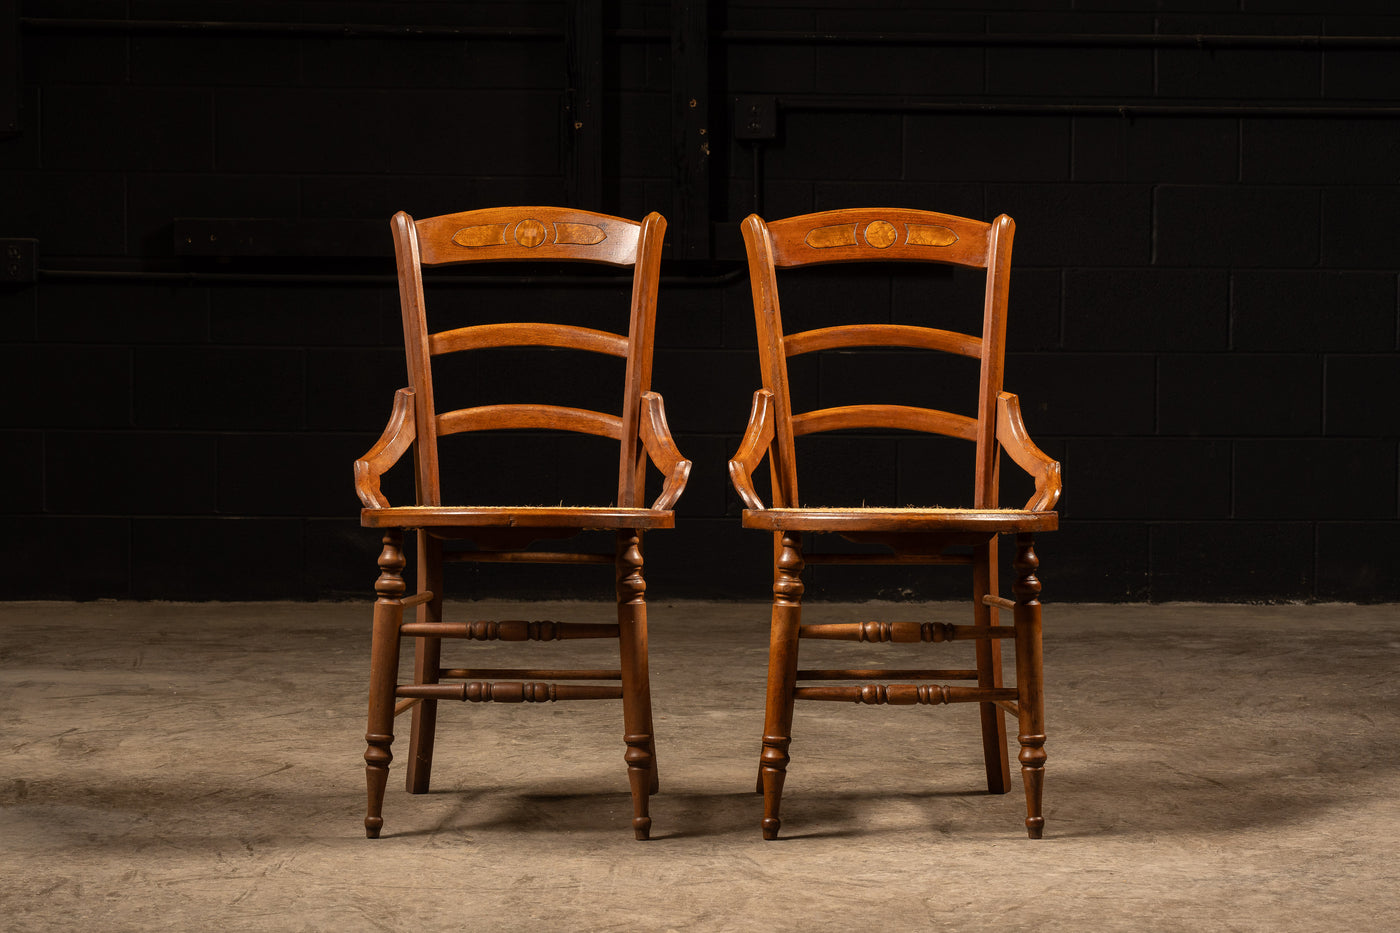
377,758
640,773
772,774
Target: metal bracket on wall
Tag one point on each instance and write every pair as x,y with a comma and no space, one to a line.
18,260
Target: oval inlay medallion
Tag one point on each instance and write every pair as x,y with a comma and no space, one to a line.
931,235
530,233
881,234
578,234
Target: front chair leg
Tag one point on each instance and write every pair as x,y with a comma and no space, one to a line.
636,681
1030,681
383,677
782,679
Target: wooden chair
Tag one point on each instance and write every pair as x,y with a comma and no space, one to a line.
909,535
504,533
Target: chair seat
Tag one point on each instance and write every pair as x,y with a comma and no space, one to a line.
925,520
509,516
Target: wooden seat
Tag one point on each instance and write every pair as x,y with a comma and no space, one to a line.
494,533
897,535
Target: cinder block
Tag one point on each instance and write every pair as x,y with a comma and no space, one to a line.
439,131
296,474
1353,562
1146,309
1335,479
319,315
1035,310
217,558
1239,394
1063,393
124,313
1358,227
154,200
895,377
19,314
1310,310
1087,561
65,386
1082,73
77,213
1156,149
22,471
1237,226
1319,152
1159,479
852,146
96,556
1239,74
952,147
1077,225
126,128
353,389
886,69
209,60
307,130
1361,395
1242,561
1362,74
59,58
130,473
209,388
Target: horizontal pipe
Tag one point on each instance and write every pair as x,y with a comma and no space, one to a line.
1202,41
815,104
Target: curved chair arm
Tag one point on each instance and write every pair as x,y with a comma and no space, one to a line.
757,439
661,447
1011,434
397,437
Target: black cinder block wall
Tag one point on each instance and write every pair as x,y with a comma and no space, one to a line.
1204,308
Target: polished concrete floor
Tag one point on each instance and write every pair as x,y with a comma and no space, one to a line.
197,766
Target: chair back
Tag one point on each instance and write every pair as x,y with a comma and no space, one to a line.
518,234
861,235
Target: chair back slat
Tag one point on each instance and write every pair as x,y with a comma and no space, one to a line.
519,334
882,335
899,417
530,234
880,235
529,417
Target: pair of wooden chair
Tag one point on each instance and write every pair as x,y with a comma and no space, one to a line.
905,536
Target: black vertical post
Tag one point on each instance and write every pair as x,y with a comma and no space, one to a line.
583,132
688,227
9,67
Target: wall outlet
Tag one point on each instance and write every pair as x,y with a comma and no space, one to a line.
755,117
18,260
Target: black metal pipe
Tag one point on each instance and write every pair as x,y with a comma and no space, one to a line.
1027,108
1069,40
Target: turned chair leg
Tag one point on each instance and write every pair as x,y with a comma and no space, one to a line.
1030,681
383,677
782,679
636,685
994,754
427,661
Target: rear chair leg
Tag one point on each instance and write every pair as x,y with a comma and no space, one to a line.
636,681
427,661
383,677
782,679
1030,681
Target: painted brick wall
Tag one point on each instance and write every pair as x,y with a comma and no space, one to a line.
1204,316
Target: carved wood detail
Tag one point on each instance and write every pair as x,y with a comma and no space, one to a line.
881,234
904,694
832,236
930,235
529,233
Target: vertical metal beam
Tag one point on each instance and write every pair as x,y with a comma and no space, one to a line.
689,224
583,131
9,67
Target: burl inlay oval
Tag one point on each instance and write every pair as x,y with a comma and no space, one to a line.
530,233
483,235
931,235
832,236
881,234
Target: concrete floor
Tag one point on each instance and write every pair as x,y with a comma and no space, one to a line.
197,766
